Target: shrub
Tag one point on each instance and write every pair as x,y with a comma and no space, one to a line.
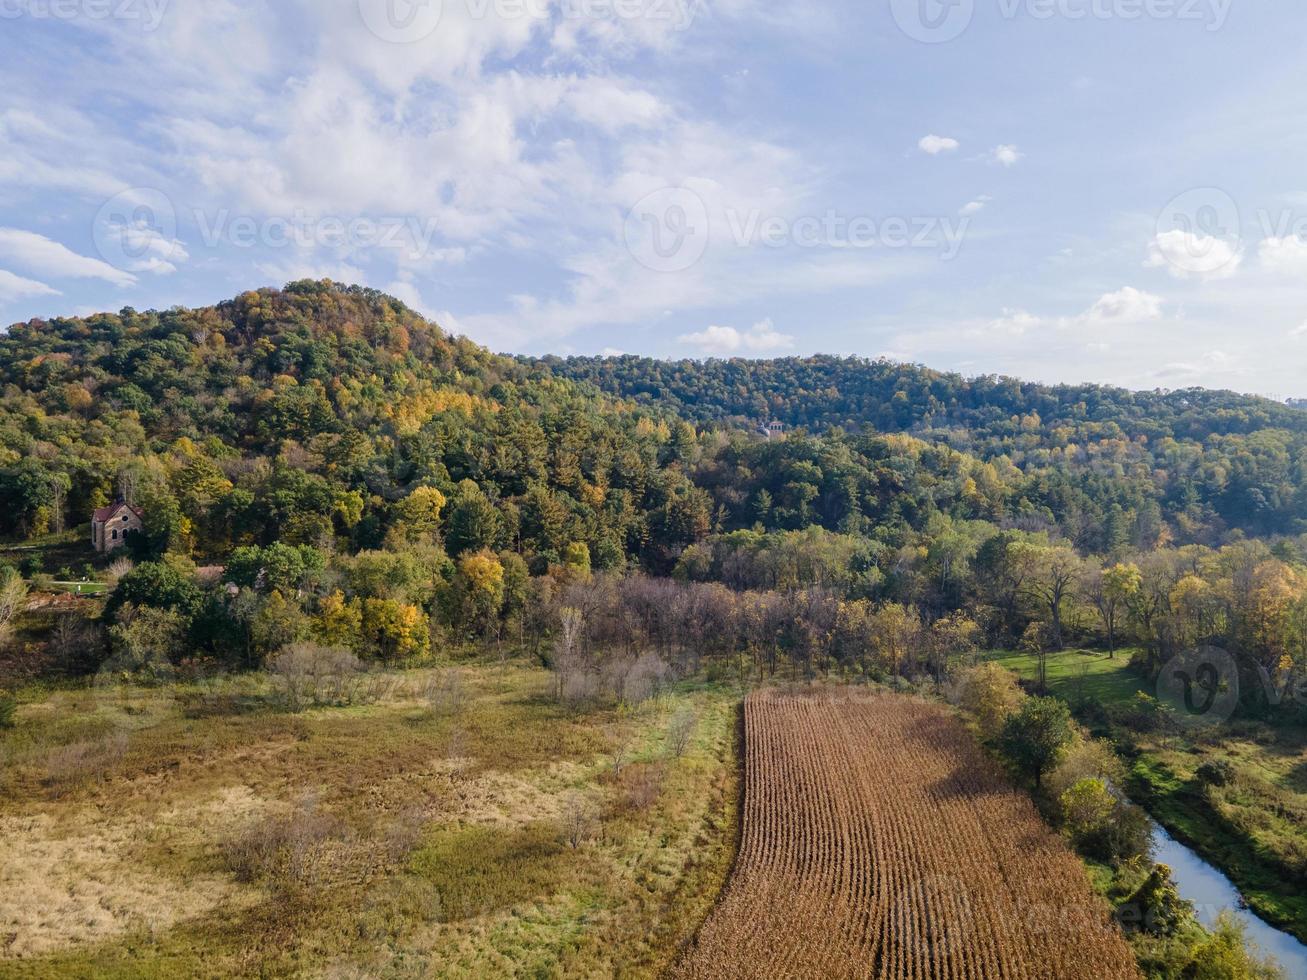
578,822
1215,772
1086,807
1129,834
1156,906
989,693
681,731
644,784
286,851
1085,758
446,693
70,766
117,571
8,709
1144,713
1035,737
310,673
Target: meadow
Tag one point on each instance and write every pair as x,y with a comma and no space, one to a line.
454,822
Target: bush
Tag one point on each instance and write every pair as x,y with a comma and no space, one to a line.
1085,758
1215,772
681,731
446,693
1128,835
70,766
1155,907
8,709
312,674
1144,713
1036,736
285,850
990,694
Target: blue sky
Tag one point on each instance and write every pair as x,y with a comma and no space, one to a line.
1063,190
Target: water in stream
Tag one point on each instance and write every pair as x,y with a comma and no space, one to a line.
1211,892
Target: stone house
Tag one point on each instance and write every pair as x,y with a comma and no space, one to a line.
109,525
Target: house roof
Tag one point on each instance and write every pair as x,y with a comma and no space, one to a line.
108,513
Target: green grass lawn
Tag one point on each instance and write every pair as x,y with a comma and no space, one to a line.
1074,674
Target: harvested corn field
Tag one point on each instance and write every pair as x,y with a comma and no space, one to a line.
879,841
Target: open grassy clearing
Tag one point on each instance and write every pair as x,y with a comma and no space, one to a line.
472,829
1077,674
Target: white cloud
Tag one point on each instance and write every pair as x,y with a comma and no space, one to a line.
1190,372
1286,256
49,258
974,207
613,105
1016,322
1299,331
1126,305
761,338
409,295
934,145
1006,154
1186,254
14,287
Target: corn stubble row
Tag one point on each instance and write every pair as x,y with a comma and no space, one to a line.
880,841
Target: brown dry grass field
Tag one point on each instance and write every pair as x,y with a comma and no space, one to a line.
442,828
879,841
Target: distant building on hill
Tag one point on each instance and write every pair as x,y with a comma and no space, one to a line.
109,525
1296,403
773,429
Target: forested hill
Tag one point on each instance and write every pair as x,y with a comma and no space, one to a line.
823,391
336,418
1212,459
311,415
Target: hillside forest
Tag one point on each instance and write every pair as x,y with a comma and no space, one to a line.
321,463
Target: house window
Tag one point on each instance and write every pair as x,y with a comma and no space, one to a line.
115,534
124,518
